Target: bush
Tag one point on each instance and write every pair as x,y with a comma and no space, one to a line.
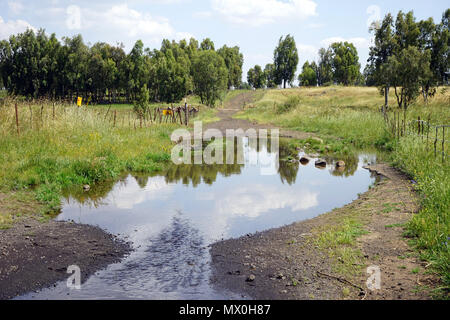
290,104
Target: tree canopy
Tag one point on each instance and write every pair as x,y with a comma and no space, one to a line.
285,61
34,64
210,76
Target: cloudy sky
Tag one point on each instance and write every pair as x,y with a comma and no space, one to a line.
254,25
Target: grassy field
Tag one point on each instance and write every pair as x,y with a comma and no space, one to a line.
63,147
349,119
73,147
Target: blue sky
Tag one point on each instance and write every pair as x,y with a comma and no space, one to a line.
254,25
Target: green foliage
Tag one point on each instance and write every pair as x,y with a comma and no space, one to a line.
291,103
430,228
36,65
325,67
269,71
210,76
393,47
234,61
407,70
141,103
285,61
256,77
345,63
308,77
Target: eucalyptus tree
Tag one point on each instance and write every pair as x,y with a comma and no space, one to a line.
269,71
325,67
285,60
234,61
383,48
346,65
210,76
256,77
308,77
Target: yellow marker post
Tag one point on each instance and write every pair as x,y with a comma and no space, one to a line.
79,100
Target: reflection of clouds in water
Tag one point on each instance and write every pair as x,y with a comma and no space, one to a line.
176,258
256,199
126,197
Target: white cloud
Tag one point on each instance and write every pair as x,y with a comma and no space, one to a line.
259,12
183,36
202,14
16,7
306,51
127,25
375,14
358,42
252,201
13,27
73,19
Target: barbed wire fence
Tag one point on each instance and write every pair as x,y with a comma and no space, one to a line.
432,135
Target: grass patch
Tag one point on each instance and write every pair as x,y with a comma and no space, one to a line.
339,241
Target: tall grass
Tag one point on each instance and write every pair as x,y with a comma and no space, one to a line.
73,146
430,228
351,116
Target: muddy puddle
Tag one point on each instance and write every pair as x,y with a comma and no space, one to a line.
171,219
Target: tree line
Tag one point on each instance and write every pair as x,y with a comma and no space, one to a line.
339,64
38,65
410,56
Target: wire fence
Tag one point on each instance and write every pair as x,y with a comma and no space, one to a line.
432,135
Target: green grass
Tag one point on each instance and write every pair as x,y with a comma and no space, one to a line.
348,119
75,147
339,240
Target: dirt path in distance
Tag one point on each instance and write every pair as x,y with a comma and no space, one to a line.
235,105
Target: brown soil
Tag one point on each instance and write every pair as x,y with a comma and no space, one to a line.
286,263
34,255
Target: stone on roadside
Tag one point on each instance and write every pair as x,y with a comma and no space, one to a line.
251,278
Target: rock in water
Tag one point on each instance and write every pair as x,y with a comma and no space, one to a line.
340,164
86,187
304,160
321,163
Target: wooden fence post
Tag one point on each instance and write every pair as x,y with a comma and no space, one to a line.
17,120
31,117
443,143
435,142
115,115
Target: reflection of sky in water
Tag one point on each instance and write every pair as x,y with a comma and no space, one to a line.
171,224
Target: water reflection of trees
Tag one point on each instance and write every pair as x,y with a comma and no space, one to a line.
196,174
351,165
